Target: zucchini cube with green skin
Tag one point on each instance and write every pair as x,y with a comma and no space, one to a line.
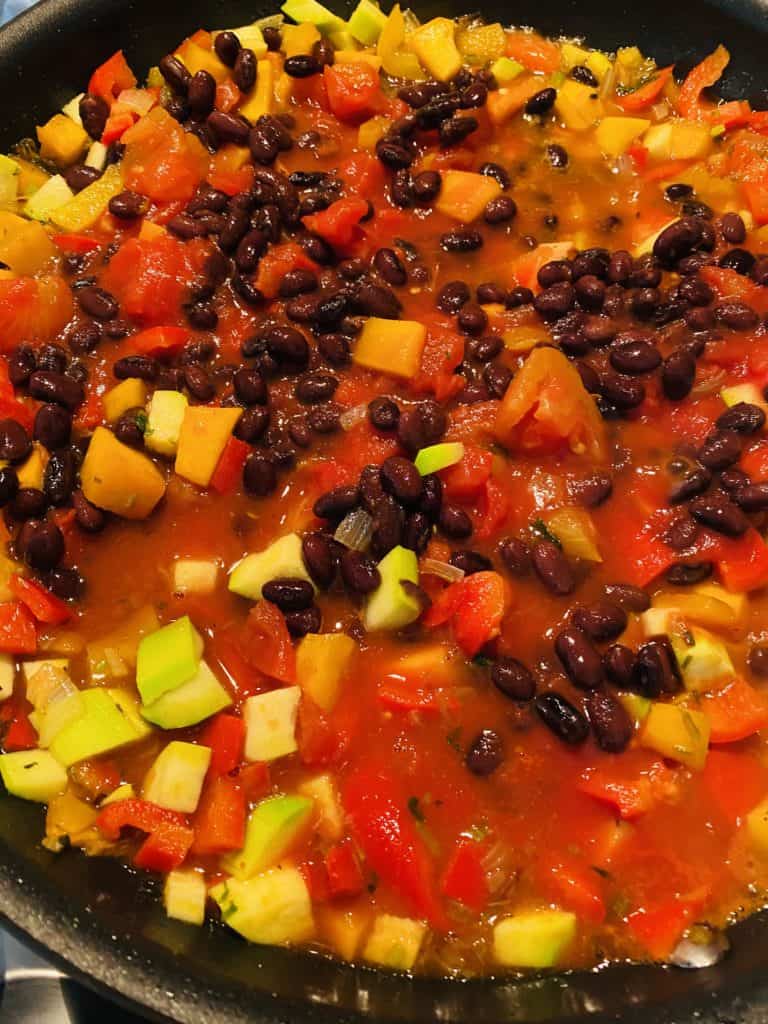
439,456
282,558
270,724
366,22
273,908
313,13
167,658
390,606
33,775
637,707
103,726
703,659
395,942
192,702
176,777
536,938
49,197
273,827
184,896
678,733
164,418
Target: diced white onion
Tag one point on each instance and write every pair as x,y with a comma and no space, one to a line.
443,570
711,383
355,530
660,110
353,416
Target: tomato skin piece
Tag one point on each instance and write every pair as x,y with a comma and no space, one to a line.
44,605
111,77
254,780
467,479
342,868
464,878
219,822
533,51
267,643
353,90
385,832
161,160
150,278
735,712
225,735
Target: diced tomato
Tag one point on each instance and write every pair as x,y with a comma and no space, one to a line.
646,94
76,243
320,741
464,878
742,562
735,712
730,285
161,160
443,351
735,781
525,268
363,174
19,734
111,77
492,512
219,821
225,735
32,310
533,51
276,263
160,342
703,76
150,278
385,832
573,885
18,632
227,96
267,642
475,607
117,125
229,468
659,928
754,462
91,413
254,780
345,877
354,91
399,694
339,223
631,784
639,154
44,605
467,479
228,173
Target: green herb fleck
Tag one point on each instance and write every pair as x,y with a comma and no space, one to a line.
601,871
540,527
142,422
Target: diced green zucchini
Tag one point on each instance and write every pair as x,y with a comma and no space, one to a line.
505,70
366,22
48,198
194,576
749,393
72,109
273,908
176,777
313,13
252,38
395,942
270,724
33,775
58,713
439,456
329,814
167,658
703,659
184,896
124,792
273,827
30,668
102,727
164,418
391,606
536,938
197,699
282,558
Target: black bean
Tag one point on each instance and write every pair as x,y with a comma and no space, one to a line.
500,210
421,425
687,574
175,74
491,293
562,718
41,543
583,74
244,70
390,266
497,172
720,514
94,112
453,296
425,186
252,424
454,522
229,127
59,477
579,658
334,348
67,584
732,228
693,483
418,94
757,660
302,65
738,260
259,476
383,413
202,316
198,382
655,671
681,533
325,419
486,348
401,479
401,189
371,299
610,723
290,594
472,319
309,620
631,598
743,417
736,315
557,155
336,503
287,346
470,562
752,497
9,485
455,129
127,205
316,386
319,558
431,496
28,503
634,356
485,753
330,308
97,303
497,379
297,282
555,301
514,679
87,516
700,319
590,292
593,490
552,568
201,93
128,431
622,392
227,46
461,240
21,364
249,386
720,449
359,572
678,374
732,479
141,367
80,176
602,620
677,241
388,526
15,442
619,665
541,102
516,556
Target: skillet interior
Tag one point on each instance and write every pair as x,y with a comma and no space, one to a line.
106,922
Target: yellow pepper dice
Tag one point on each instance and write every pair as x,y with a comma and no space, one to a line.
117,478
61,140
391,346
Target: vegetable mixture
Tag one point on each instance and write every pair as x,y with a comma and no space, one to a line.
384,483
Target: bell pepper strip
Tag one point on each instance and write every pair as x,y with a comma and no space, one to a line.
219,821
160,342
735,712
741,563
18,732
736,114
75,243
165,849
45,606
18,631
229,468
342,868
339,223
701,77
735,781
169,836
353,91
464,878
111,77
647,94
575,886
384,830
267,643
225,735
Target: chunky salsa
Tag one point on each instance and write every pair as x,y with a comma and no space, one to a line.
384,481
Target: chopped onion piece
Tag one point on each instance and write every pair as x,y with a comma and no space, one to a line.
711,383
443,570
660,110
353,416
355,530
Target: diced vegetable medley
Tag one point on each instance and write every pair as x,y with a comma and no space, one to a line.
384,480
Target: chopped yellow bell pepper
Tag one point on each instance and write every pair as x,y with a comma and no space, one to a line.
85,209
61,140
128,394
615,135
118,478
465,194
25,245
196,58
435,46
204,433
578,106
678,733
321,660
261,101
391,346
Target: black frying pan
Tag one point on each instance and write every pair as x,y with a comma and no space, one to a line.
106,923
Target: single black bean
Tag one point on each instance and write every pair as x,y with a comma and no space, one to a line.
555,301
87,516
319,558
497,172
485,753
229,127
227,46
390,266
426,185
316,386
593,490
633,357
21,365
454,522
334,348
744,418
622,392
602,620
677,241
290,594
287,346
752,497
142,367
127,205
401,189
579,658
631,598
128,431
325,418
757,660
60,477
490,292
553,568
383,413
80,176
249,386
497,379
370,299
244,70
9,485
655,670
562,718
15,442
732,228
737,259
619,665
198,382
431,496
687,574
401,479
583,74
308,620
720,514
417,532
736,315
453,296
485,348
201,94
541,102
514,679
28,503
41,544
455,129
557,155
388,527
259,476
335,504
516,556
94,112
693,483
359,572
461,240
681,533
720,449
612,726
303,65
500,210
421,425
97,303
678,374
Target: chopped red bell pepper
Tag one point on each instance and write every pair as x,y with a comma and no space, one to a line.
647,94
735,712
320,741
267,643
254,780
117,125
227,96
229,468
44,605
160,342
219,821
165,849
225,735
398,694
735,114
630,784
385,832
483,603
316,878
701,77
742,562
76,243
353,90
339,223
658,929
575,886
169,835
464,878
345,877
18,631
19,734
735,781
111,77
